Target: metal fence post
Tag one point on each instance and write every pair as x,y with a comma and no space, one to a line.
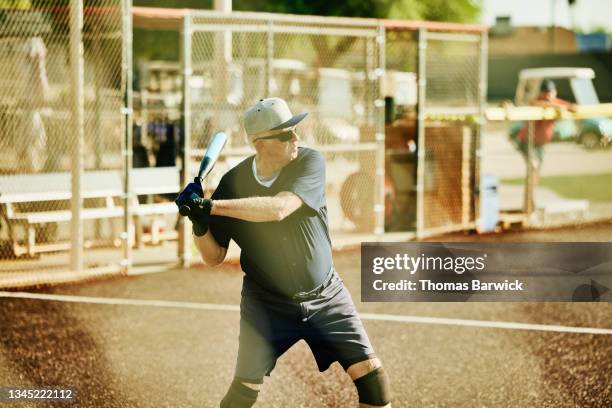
531,172
126,262
185,240
78,115
422,84
222,60
379,206
269,57
482,105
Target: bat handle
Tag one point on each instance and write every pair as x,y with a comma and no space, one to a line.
185,210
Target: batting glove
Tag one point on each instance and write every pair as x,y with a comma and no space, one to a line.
191,192
192,196
200,215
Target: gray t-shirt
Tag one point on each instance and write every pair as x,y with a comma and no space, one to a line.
289,256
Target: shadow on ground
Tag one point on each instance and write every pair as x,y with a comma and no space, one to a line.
45,346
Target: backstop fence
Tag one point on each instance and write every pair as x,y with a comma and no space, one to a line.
433,132
63,117
329,67
395,107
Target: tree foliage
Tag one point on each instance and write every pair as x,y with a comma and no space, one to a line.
456,11
346,8
461,11
148,43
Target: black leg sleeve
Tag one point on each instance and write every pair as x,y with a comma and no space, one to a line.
373,388
239,396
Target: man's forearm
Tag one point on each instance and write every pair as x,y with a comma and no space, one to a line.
212,253
256,209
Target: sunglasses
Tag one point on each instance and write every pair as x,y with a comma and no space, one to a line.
282,137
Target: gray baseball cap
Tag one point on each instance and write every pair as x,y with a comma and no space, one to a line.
269,117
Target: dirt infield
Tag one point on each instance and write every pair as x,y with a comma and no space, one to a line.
170,339
592,232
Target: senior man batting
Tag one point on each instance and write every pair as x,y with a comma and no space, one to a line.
273,206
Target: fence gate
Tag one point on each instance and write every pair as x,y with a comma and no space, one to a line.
329,67
452,95
437,86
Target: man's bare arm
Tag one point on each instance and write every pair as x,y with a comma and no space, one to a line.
255,209
212,253
258,209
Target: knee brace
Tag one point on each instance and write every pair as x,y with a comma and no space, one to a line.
373,388
239,396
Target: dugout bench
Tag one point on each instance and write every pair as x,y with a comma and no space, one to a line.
19,193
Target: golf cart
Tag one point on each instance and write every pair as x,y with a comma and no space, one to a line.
574,84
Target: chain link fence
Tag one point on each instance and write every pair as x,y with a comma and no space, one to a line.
436,99
40,136
452,105
378,178
410,161
329,67
400,90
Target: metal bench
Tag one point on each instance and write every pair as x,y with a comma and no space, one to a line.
106,186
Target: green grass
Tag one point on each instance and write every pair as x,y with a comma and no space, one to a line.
592,187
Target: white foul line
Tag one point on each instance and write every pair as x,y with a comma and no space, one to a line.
364,316
121,301
484,323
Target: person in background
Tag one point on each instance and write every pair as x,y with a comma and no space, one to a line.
543,129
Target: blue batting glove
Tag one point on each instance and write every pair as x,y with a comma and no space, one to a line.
192,196
190,193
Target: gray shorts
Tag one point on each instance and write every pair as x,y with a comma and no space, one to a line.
271,324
